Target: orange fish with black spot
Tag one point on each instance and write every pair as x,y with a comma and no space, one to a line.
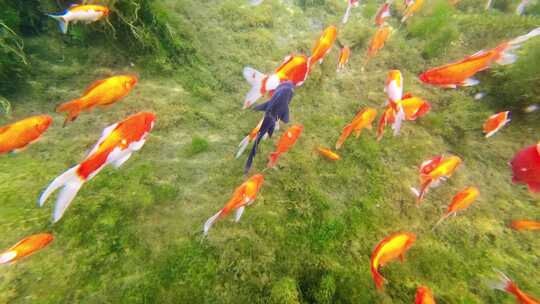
363,120
243,196
390,248
17,136
26,247
287,140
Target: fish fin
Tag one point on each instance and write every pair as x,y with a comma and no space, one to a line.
377,278
239,213
469,82
396,126
119,162
8,256
519,40
255,79
62,23
70,182
93,85
423,190
284,118
242,146
208,224
415,191
344,135
262,107
503,283
346,16
72,108
444,217
534,186
357,133
104,134
272,82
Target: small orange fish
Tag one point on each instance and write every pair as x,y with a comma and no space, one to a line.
116,145
424,296
287,140
506,285
378,40
495,122
442,171
102,92
243,196
461,201
17,136
329,154
362,120
382,14
411,9
344,55
525,225
461,73
26,247
388,249
323,45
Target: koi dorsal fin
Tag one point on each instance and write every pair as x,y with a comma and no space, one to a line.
93,85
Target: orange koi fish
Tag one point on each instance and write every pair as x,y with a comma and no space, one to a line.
505,284
243,196
411,9
461,201
461,73
525,225
115,147
362,120
287,140
414,107
442,171
102,92
427,166
17,136
388,249
323,45
350,5
79,13
26,247
495,122
344,55
294,68
329,154
382,14
424,296
378,40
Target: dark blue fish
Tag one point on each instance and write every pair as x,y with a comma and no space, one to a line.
277,108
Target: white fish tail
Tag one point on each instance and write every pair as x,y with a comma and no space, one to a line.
255,79
396,126
239,213
62,23
488,4
70,183
523,38
7,257
346,16
508,56
502,283
208,224
415,191
242,146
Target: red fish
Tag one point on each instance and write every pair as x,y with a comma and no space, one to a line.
344,55
294,68
495,122
388,249
382,14
526,167
461,73
115,147
461,201
424,296
525,225
17,136
243,196
26,247
506,285
323,45
287,140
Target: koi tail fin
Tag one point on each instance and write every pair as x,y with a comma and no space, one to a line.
346,16
377,278
255,79
70,182
62,23
344,135
242,146
396,126
8,256
272,159
507,55
208,224
72,108
504,283
488,4
444,217
422,192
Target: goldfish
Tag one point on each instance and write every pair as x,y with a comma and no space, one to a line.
526,167
411,9
443,170
275,109
521,7
350,5
382,14
26,247
79,13
115,147
389,248
243,196
378,40
294,68
427,166
102,92
461,73
461,201
323,46
344,55
424,296
19,135
329,154
409,108
414,107
362,120
525,225
495,122
287,140
505,284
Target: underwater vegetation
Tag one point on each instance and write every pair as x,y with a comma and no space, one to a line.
134,235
